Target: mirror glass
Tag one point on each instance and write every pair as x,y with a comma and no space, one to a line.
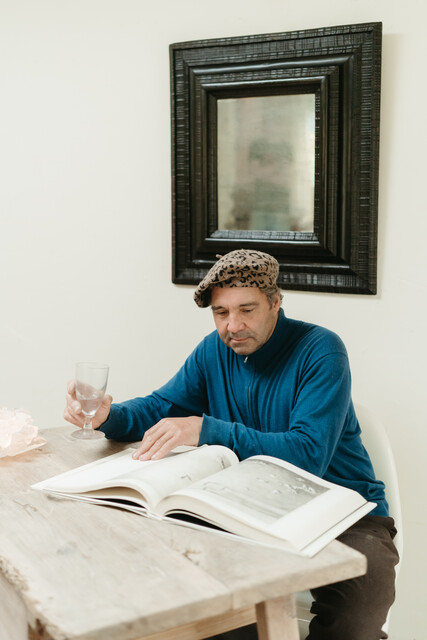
265,155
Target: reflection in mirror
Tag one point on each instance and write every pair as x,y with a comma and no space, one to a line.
265,155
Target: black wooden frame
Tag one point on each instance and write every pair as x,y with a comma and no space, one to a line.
342,67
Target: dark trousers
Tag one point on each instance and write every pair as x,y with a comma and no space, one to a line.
354,609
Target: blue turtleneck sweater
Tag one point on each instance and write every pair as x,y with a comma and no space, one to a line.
290,399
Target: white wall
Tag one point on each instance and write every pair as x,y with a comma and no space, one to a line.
85,258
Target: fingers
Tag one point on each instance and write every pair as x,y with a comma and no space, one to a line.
107,400
156,443
72,417
103,412
160,449
168,434
73,411
71,387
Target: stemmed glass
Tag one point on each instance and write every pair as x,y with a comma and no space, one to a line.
91,382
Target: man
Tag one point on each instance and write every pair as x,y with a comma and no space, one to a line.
265,384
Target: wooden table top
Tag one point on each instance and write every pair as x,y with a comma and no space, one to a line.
89,572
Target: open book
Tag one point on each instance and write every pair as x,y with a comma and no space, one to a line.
261,498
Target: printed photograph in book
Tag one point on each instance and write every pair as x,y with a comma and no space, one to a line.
247,488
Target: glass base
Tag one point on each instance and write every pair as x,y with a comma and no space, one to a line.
88,434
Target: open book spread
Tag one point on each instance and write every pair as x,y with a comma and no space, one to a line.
261,498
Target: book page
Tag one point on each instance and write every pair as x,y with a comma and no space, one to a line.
268,495
153,479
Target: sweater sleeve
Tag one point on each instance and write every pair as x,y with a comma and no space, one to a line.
183,395
316,422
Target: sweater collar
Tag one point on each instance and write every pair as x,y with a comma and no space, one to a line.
266,353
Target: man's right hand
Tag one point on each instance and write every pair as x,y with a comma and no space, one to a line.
73,410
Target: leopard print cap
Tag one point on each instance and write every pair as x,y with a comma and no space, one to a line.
240,268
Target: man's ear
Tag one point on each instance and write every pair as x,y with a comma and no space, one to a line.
277,303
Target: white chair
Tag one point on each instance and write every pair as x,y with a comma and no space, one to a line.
377,444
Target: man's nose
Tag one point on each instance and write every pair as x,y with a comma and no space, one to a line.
235,323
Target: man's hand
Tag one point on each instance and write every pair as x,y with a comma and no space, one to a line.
73,411
168,434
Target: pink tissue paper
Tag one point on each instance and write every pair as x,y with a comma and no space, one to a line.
17,432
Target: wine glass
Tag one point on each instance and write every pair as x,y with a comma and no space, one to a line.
91,382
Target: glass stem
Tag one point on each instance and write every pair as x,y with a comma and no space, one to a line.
88,424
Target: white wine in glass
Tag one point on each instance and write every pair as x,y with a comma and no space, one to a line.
91,383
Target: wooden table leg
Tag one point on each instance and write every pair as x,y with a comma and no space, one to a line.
13,617
276,619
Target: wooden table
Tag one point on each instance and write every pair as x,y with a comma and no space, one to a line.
70,570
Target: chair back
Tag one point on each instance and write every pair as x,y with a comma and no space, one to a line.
377,444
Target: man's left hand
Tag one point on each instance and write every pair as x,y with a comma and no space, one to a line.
167,434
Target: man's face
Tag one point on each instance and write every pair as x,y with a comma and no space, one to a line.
243,317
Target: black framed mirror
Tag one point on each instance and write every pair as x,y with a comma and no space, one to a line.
275,142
